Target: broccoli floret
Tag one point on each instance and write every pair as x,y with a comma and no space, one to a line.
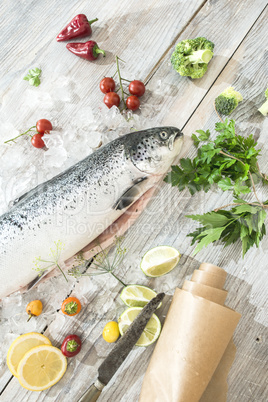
264,108
191,57
227,101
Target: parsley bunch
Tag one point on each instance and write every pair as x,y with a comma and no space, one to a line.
231,162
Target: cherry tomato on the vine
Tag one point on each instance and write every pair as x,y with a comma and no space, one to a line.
111,99
107,84
136,87
37,141
133,102
43,125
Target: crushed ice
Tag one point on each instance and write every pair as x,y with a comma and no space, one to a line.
23,167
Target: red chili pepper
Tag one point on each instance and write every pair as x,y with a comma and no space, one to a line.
71,345
88,50
78,27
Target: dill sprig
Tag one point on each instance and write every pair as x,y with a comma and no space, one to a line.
55,255
102,264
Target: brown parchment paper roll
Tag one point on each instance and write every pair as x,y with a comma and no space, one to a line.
206,266
208,278
199,289
217,388
191,357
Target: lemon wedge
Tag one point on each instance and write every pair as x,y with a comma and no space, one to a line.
21,345
160,260
41,367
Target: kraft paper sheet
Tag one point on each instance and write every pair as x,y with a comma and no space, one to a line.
195,350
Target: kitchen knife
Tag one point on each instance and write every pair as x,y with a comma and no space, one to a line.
121,350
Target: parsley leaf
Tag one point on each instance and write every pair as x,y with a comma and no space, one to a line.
33,77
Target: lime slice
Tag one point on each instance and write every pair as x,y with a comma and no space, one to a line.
137,295
160,260
151,331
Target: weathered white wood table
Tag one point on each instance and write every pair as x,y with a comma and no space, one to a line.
143,34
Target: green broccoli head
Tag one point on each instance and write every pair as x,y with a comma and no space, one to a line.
264,108
227,101
191,57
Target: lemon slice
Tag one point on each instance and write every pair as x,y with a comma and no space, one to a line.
160,260
137,295
150,333
41,367
21,345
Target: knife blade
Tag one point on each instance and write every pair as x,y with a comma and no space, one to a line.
121,350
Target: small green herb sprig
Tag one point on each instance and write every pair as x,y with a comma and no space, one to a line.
101,263
41,264
33,77
231,162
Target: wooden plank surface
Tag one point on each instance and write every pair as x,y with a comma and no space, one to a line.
171,100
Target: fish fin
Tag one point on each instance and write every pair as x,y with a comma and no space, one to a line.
131,195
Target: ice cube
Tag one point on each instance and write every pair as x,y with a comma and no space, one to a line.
10,304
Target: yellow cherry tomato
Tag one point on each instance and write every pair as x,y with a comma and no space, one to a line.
111,332
34,308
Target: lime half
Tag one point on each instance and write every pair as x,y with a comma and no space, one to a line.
160,260
137,295
150,333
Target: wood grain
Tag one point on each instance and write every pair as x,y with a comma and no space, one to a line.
164,222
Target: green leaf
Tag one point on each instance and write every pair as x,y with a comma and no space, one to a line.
33,77
186,164
203,135
196,140
243,231
209,236
210,219
244,208
240,188
261,219
225,184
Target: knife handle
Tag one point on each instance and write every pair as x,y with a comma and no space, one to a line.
92,393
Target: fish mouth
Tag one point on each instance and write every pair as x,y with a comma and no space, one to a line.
173,138
179,134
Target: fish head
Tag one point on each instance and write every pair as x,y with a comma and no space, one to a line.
153,150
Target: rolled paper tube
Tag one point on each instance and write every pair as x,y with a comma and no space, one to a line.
199,289
193,340
208,278
217,388
214,269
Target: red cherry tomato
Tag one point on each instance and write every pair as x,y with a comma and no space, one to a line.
71,345
133,102
37,141
43,125
136,87
107,84
111,99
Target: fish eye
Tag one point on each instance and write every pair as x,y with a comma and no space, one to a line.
163,135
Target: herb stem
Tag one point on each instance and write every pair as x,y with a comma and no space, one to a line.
62,272
120,80
118,279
